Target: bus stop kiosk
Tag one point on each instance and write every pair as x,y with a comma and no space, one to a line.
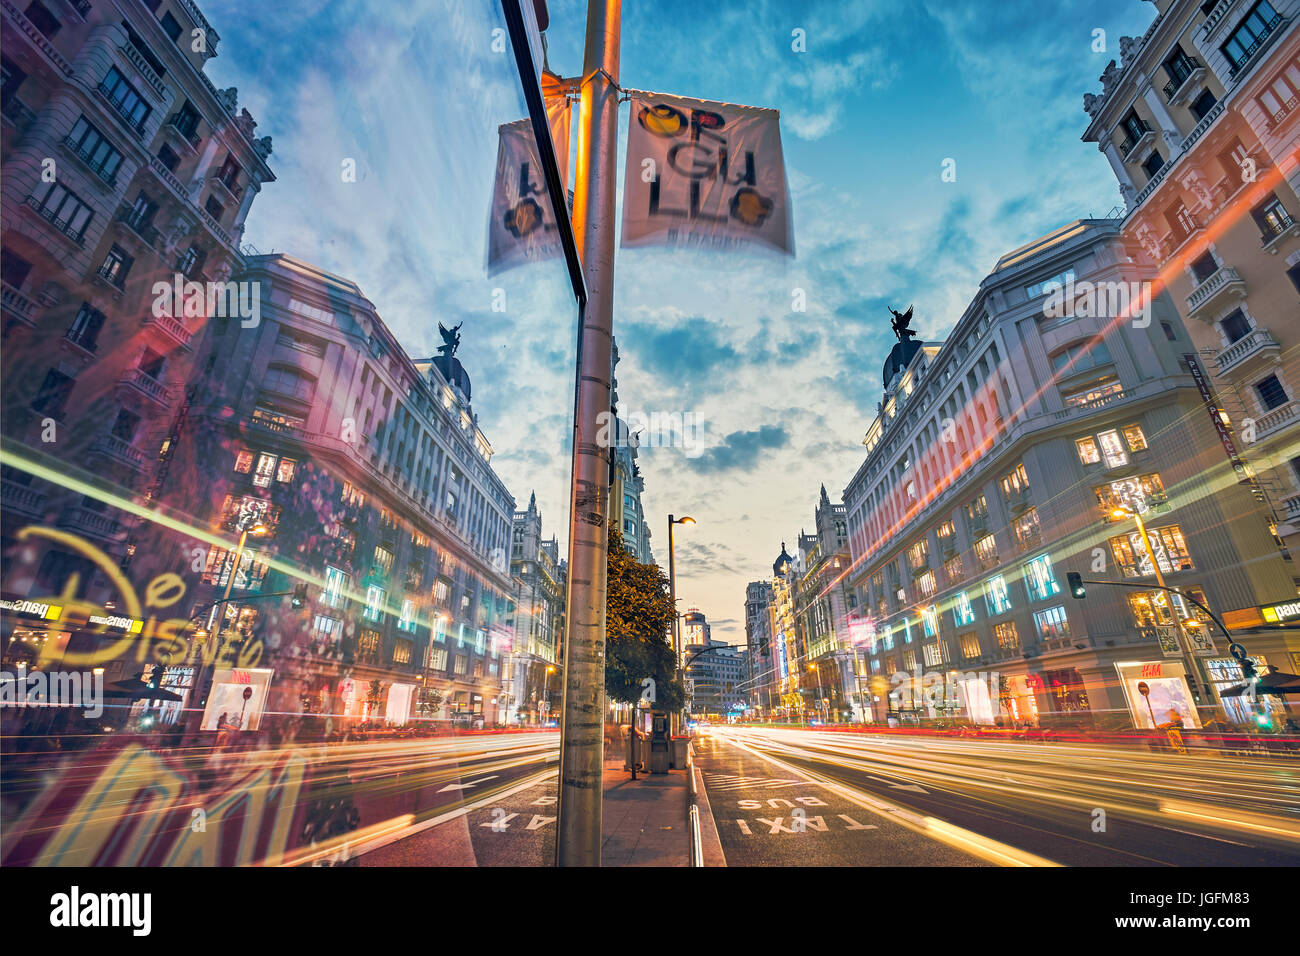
659,743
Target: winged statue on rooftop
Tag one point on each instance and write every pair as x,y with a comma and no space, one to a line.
902,324
450,339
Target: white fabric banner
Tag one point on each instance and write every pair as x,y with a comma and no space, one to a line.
522,226
704,175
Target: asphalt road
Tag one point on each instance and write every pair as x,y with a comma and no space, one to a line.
1005,803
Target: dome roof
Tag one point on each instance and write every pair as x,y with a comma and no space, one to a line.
900,357
782,562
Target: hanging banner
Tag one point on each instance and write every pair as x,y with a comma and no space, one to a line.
522,226
704,175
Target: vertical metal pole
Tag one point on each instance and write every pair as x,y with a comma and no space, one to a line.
582,735
1180,635
677,636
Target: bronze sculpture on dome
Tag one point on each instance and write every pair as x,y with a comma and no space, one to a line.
902,324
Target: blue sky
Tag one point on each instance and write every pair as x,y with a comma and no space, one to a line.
885,92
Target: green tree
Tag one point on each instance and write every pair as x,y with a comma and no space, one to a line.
638,616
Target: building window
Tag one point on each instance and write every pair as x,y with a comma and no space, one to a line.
1026,530
291,382
1170,547
933,654
462,664
1007,637
125,99
438,658
125,425
65,210
42,19
952,569
918,555
374,609
116,266
1271,393
336,582
962,611
986,552
930,620
214,208
383,559
1052,623
96,151
970,645
402,652
85,327
1153,164
1235,326
1015,484
406,622
1202,105
1170,334
170,26
926,585
1094,392
1272,218
1254,27
368,646
1040,582
1133,493
52,399
997,595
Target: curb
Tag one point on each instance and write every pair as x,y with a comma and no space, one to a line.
706,845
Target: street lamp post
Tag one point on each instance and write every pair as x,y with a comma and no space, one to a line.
247,526
672,594
1180,633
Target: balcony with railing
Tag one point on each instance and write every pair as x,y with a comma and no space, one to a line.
137,226
1279,419
116,278
137,380
1275,229
95,524
106,176
185,130
1251,52
1285,112
106,93
17,305
120,451
64,227
18,114
230,185
1184,74
1248,351
171,328
1135,139
1222,285
23,499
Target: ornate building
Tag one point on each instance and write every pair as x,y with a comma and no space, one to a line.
320,459
1060,409
533,676
123,167
1200,121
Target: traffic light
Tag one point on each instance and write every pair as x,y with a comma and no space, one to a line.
299,600
1075,581
1248,671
